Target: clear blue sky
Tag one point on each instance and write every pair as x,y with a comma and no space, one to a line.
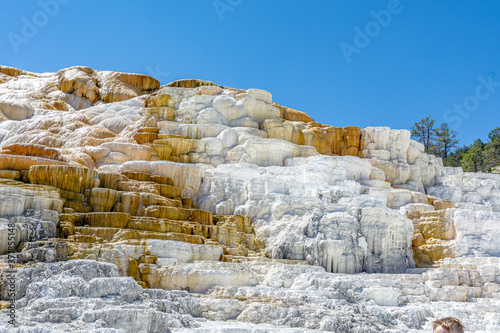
425,60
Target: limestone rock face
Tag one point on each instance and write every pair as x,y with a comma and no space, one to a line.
30,226
23,163
64,177
31,150
403,161
130,207
476,233
103,199
90,295
314,210
255,295
10,71
17,197
16,109
188,176
473,191
79,81
293,115
106,86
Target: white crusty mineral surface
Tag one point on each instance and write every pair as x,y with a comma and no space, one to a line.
193,207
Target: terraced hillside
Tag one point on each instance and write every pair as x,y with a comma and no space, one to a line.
133,207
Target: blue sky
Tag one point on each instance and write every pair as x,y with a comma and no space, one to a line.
424,58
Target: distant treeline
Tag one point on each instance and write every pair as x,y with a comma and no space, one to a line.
442,142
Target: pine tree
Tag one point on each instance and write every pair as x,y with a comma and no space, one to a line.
442,142
424,132
445,140
473,160
494,134
492,149
454,159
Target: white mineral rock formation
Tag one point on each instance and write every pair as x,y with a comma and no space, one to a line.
142,181
473,191
315,209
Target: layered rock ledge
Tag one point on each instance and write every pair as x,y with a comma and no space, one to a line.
135,207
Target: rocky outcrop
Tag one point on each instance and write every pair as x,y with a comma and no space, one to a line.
434,232
166,206
67,178
90,295
403,161
314,209
471,191
86,294
11,71
24,163
106,86
134,218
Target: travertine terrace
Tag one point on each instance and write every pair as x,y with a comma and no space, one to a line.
194,207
